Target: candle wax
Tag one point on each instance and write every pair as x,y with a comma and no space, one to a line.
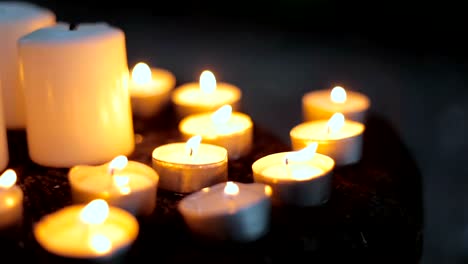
292,171
317,130
203,125
176,153
191,94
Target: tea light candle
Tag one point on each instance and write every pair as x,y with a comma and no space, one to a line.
228,211
205,96
129,185
321,104
78,107
337,138
11,201
17,19
93,231
231,130
191,166
150,89
297,178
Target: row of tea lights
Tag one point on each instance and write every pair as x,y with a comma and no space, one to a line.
108,190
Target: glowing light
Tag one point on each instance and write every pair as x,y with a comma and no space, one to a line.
222,115
118,163
8,179
207,82
268,190
192,145
231,188
335,123
100,243
95,212
141,74
338,95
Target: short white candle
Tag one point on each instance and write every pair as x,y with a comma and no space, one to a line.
76,91
231,130
321,104
297,178
16,20
228,211
205,96
150,89
11,201
93,231
129,185
191,166
338,138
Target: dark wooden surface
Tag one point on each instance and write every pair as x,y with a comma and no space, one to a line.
374,214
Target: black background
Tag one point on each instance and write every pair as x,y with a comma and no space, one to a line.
409,58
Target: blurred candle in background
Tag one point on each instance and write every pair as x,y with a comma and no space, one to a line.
16,20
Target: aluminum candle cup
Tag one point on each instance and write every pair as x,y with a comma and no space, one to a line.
231,130
302,182
150,89
228,211
93,232
129,185
322,104
191,166
205,96
342,143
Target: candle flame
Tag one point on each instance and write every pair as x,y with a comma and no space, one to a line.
95,212
8,179
222,115
268,190
100,243
118,163
192,145
335,123
338,95
231,188
302,155
141,73
207,82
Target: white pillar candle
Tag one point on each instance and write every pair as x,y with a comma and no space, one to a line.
129,185
11,201
205,96
231,130
337,138
297,178
191,166
150,89
16,19
321,104
76,92
4,154
228,211
94,231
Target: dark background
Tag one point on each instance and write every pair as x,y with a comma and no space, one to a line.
409,58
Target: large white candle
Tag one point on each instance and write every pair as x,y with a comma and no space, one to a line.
76,91
16,19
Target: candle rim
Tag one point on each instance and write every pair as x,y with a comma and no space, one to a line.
293,132
363,98
124,219
202,165
156,88
262,163
255,187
